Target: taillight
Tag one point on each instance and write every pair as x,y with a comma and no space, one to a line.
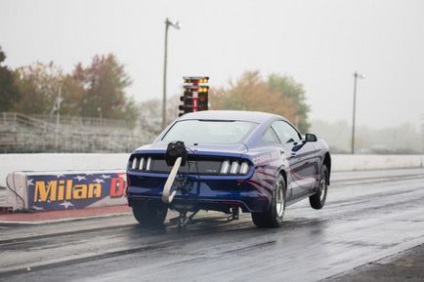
234,167
141,163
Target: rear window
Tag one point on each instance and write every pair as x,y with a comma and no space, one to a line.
209,131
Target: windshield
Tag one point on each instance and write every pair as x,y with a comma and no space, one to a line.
209,131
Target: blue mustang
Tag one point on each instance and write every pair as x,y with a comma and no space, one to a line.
253,161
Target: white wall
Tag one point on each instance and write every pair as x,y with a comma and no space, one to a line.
80,162
369,162
59,162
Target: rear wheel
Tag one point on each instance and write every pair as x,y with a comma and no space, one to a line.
317,200
274,216
149,213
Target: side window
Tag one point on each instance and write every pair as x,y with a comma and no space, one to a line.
269,137
285,132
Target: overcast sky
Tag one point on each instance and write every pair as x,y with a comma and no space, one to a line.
318,43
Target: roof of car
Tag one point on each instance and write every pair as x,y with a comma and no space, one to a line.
257,117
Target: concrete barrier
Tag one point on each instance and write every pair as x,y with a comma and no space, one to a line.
81,162
58,165
374,162
59,162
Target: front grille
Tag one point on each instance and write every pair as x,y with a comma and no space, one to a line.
194,165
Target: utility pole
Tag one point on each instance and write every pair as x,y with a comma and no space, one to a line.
422,131
355,79
57,108
176,26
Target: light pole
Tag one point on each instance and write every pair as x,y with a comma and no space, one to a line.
176,26
355,78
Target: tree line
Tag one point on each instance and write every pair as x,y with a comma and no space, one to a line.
96,90
99,90
276,94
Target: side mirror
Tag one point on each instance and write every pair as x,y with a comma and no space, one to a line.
309,137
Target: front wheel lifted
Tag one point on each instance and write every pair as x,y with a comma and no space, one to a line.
317,200
150,213
274,216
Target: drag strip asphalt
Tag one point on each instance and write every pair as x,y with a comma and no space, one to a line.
368,216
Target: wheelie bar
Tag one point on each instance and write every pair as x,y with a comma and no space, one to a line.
166,196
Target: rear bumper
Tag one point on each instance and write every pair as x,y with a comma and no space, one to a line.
203,193
181,203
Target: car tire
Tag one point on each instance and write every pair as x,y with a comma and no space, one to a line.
150,213
274,216
317,200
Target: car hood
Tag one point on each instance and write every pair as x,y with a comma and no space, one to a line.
207,149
